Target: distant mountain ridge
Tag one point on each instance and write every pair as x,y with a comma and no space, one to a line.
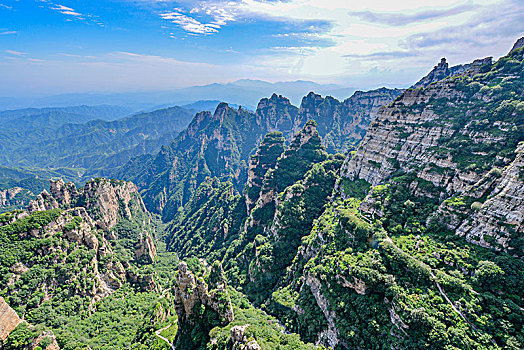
51,140
244,92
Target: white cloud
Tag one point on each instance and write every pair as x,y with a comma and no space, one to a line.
15,53
189,24
7,32
67,11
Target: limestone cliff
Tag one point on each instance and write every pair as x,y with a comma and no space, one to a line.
201,302
453,134
442,70
9,319
106,202
343,124
278,114
498,224
264,159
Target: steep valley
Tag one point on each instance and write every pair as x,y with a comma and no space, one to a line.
391,220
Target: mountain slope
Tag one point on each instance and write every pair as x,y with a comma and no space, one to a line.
95,147
220,144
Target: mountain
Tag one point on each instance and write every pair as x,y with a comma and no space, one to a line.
220,144
415,243
73,114
93,147
442,70
268,239
244,92
205,105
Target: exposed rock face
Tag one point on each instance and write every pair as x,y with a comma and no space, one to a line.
106,201
201,305
63,193
240,340
264,159
100,204
278,114
78,227
113,199
145,249
518,44
44,201
499,223
439,72
343,124
329,336
219,144
442,133
442,70
9,319
8,194
191,291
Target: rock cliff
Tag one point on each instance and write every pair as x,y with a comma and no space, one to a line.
453,134
202,302
9,319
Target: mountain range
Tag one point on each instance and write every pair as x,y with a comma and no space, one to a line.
244,92
392,219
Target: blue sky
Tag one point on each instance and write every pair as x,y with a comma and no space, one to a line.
56,46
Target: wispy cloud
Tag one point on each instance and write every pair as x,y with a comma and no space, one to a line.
189,24
401,19
66,11
6,7
16,53
7,32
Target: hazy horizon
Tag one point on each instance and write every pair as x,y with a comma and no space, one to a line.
57,47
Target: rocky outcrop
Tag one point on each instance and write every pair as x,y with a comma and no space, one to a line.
63,192
44,201
271,147
8,194
342,125
442,70
452,140
104,202
145,249
518,44
200,304
439,72
278,114
330,335
240,340
112,199
191,291
499,222
9,319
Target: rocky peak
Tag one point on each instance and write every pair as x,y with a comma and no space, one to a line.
221,111
145,249
276,114
113,199
62,192
439,72
240,341
518,44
